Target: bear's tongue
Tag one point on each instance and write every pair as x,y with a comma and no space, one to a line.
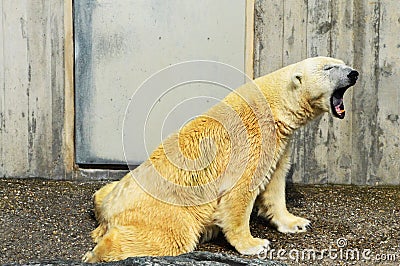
337,104
339,108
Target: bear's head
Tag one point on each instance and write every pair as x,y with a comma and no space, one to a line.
322,82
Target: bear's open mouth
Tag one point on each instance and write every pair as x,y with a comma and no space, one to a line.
337,104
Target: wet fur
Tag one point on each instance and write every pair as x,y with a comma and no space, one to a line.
133,223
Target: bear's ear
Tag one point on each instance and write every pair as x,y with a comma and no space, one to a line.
296,79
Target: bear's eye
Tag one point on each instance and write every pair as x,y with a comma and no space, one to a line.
328,67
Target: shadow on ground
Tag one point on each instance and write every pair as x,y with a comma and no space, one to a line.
43,220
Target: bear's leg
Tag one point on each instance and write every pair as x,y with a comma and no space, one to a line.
121,242
98,199
99,232
99,196
233,216
108,248
272,202
209,233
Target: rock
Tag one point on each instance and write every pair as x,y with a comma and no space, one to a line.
197,258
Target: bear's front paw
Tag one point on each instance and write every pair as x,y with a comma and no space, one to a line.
289,223
252,246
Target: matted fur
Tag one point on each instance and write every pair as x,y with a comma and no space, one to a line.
143,214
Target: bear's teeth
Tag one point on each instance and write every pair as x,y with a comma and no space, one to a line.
338,110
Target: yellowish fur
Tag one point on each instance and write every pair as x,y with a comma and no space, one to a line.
151,212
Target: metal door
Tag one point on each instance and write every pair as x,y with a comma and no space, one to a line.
121,44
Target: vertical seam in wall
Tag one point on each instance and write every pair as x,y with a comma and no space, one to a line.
256,41
28,89
283,33
52,84
306,1
353,21
330,118
303,129
359,40
68,137
331,22
2,97
375,141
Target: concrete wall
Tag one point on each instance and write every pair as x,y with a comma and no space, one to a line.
36,93
35,89
364,148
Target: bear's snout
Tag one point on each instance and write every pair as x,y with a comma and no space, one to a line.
353,76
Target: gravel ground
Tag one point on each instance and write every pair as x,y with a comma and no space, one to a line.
51,220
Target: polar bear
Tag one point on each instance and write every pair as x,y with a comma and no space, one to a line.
240,147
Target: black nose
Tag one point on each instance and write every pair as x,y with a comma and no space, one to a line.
353,75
